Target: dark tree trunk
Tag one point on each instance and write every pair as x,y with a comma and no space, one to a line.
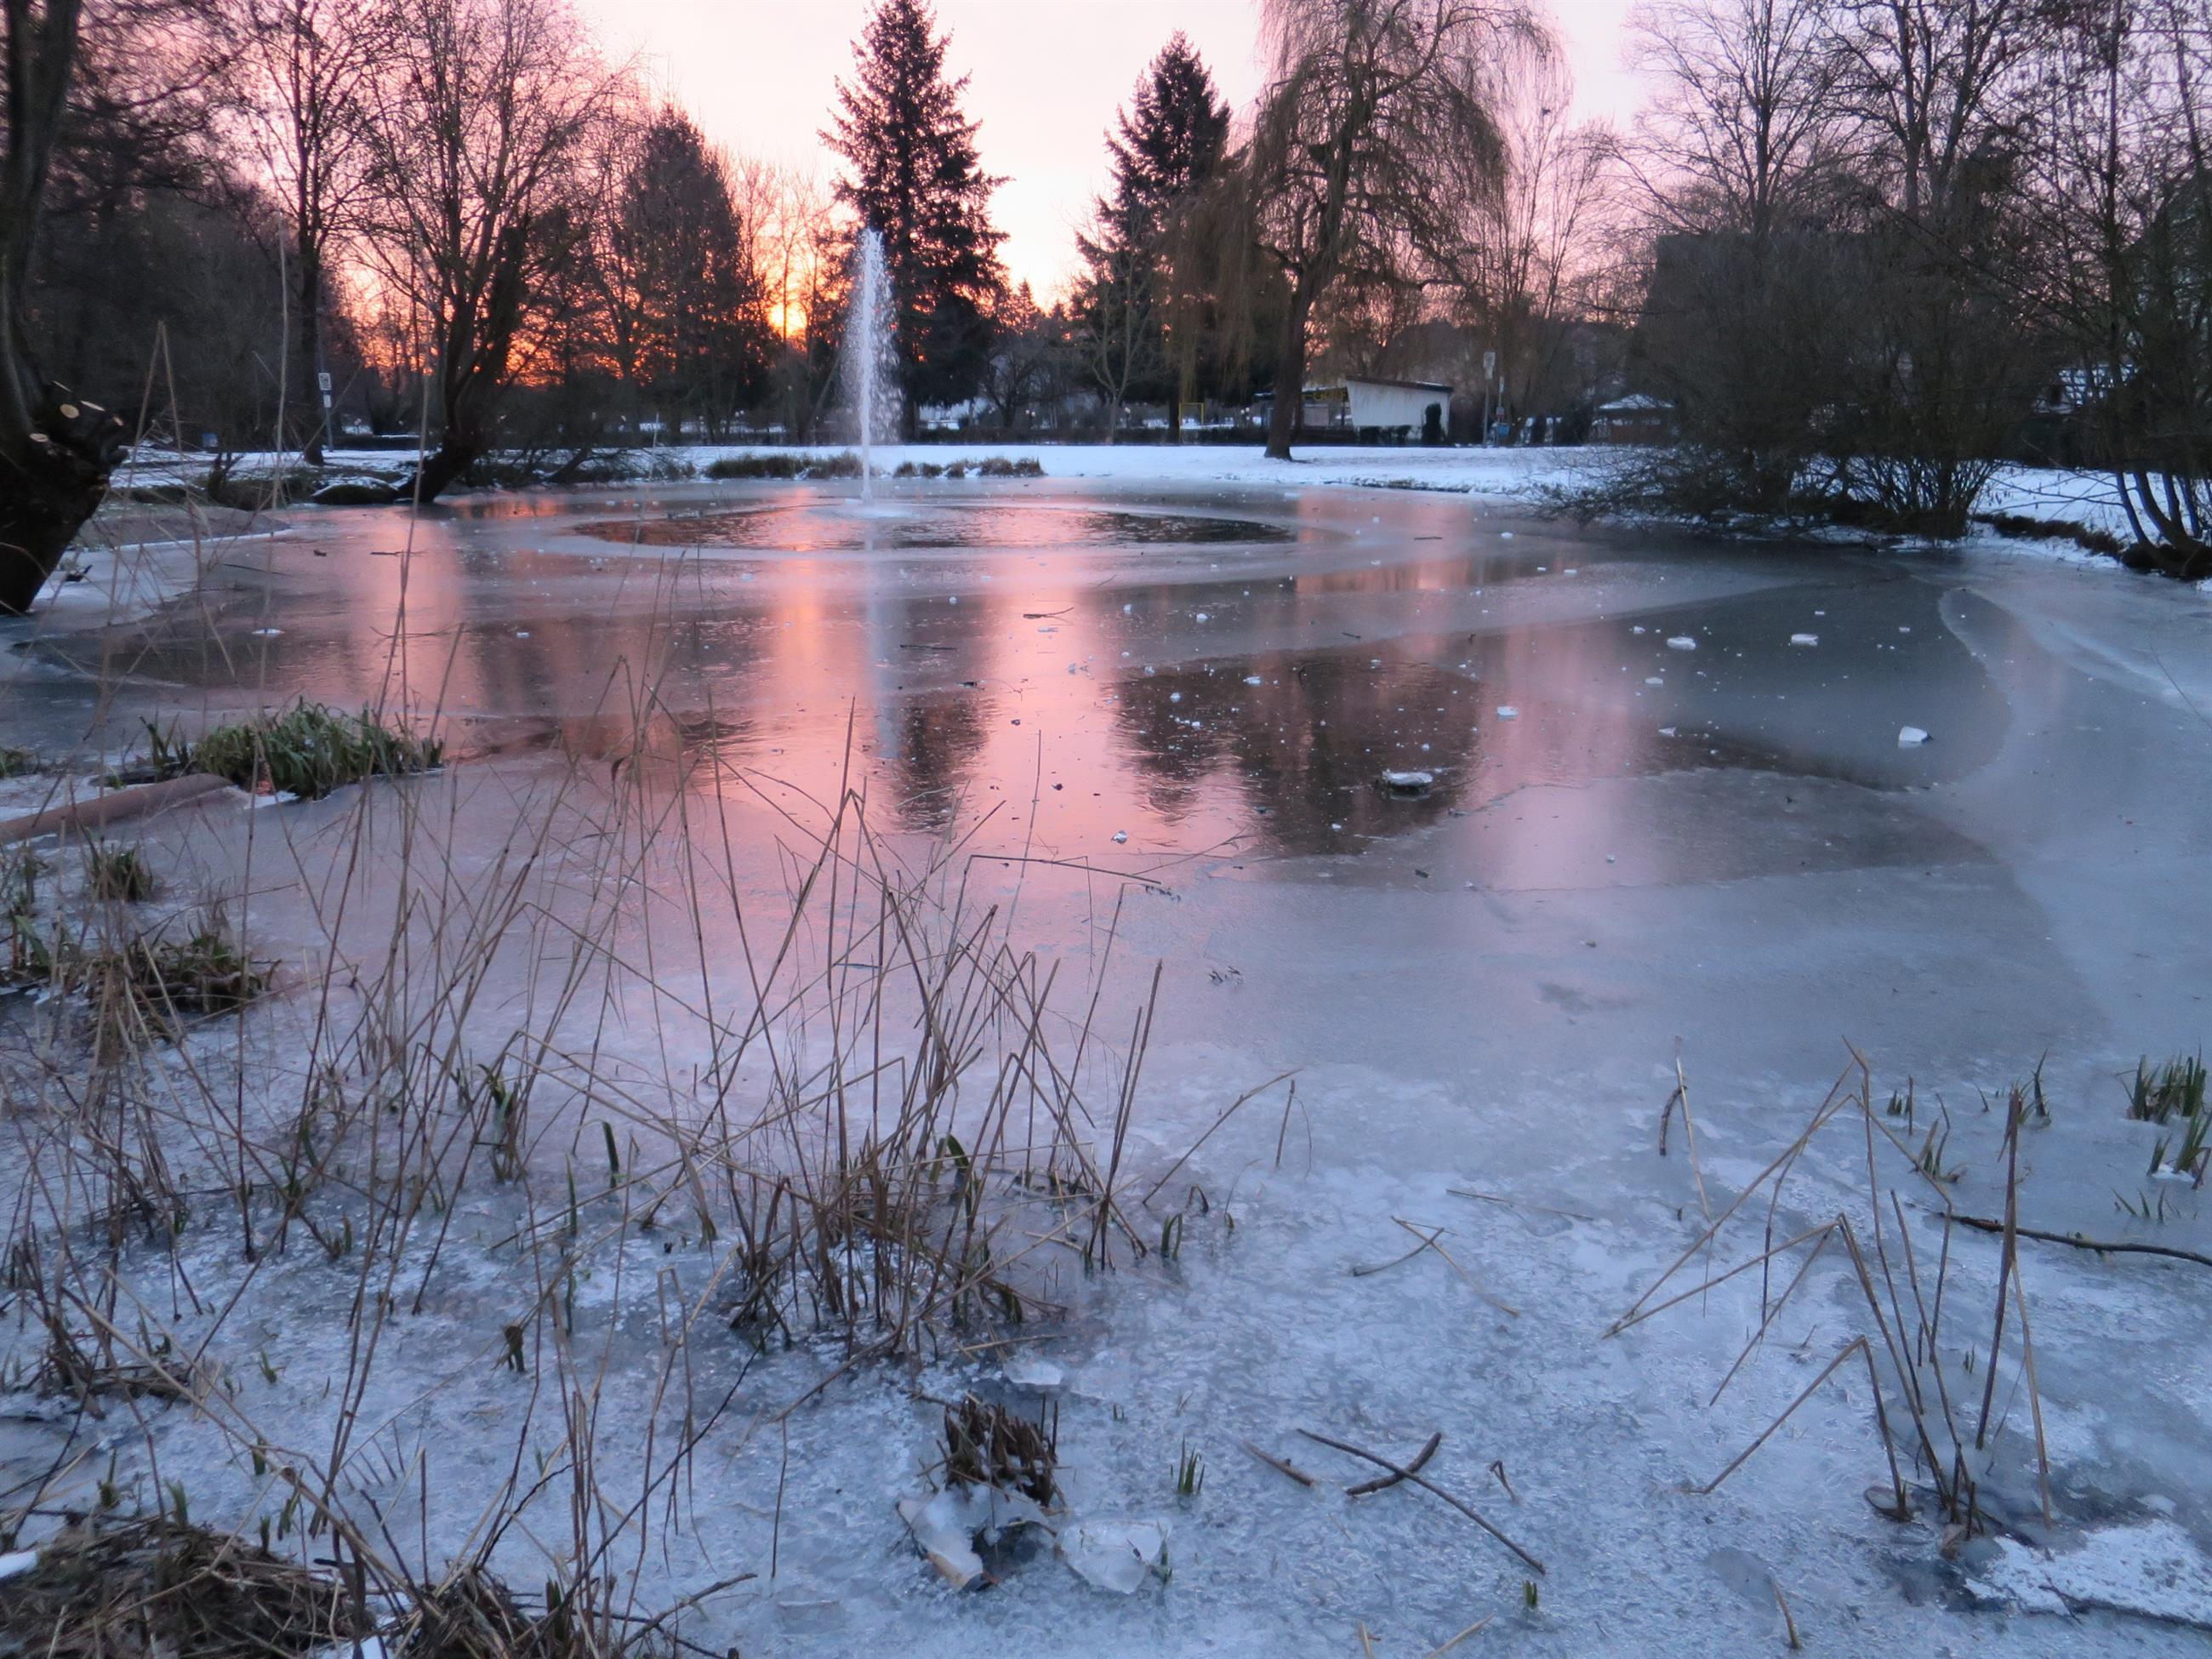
50,484
311,351
1288,415
440,470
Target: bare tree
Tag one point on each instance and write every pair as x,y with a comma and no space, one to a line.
1378,126
1533,234
478,135
2124,184
1118,332
1745,130
307,72
1944,85
791,217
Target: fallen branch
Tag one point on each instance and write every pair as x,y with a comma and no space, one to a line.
1470,1631
1984,1224
1426,1485
1281,1465
1384,1482
1429,1240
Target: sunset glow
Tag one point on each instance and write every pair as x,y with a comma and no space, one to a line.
1047,78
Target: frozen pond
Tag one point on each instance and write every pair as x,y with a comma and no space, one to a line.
1669,804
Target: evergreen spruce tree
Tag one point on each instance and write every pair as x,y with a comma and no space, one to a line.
1144,332
915,177
701,341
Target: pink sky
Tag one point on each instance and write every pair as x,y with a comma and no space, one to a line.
1048,75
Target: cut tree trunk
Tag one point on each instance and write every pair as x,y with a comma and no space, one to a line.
51,482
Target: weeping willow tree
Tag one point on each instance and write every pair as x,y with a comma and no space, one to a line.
1375,135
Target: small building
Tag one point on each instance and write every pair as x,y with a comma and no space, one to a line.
1639,418
1398,408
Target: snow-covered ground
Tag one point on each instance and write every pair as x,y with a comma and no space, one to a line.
1479,994
2089,499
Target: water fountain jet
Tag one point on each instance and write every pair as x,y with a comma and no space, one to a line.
869,363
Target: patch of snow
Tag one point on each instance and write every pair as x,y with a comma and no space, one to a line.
2153,1571
17,1561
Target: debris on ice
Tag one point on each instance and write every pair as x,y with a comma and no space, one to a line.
1119,836
1508,712
1406,783
1909,737
947,1527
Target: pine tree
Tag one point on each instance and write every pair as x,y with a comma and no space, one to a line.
1144,333
1170,140
700,345
915,178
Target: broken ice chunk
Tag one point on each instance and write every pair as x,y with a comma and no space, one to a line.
1406,783
1681,642
1253,680
1804,639
1909,737
1508,712
1115,1555
1120,837
1031,1372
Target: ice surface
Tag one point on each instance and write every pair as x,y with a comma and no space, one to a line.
2154,1570
1479,991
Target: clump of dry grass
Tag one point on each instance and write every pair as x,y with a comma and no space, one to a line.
1933,1400
987,1444
155,1587
888,1138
